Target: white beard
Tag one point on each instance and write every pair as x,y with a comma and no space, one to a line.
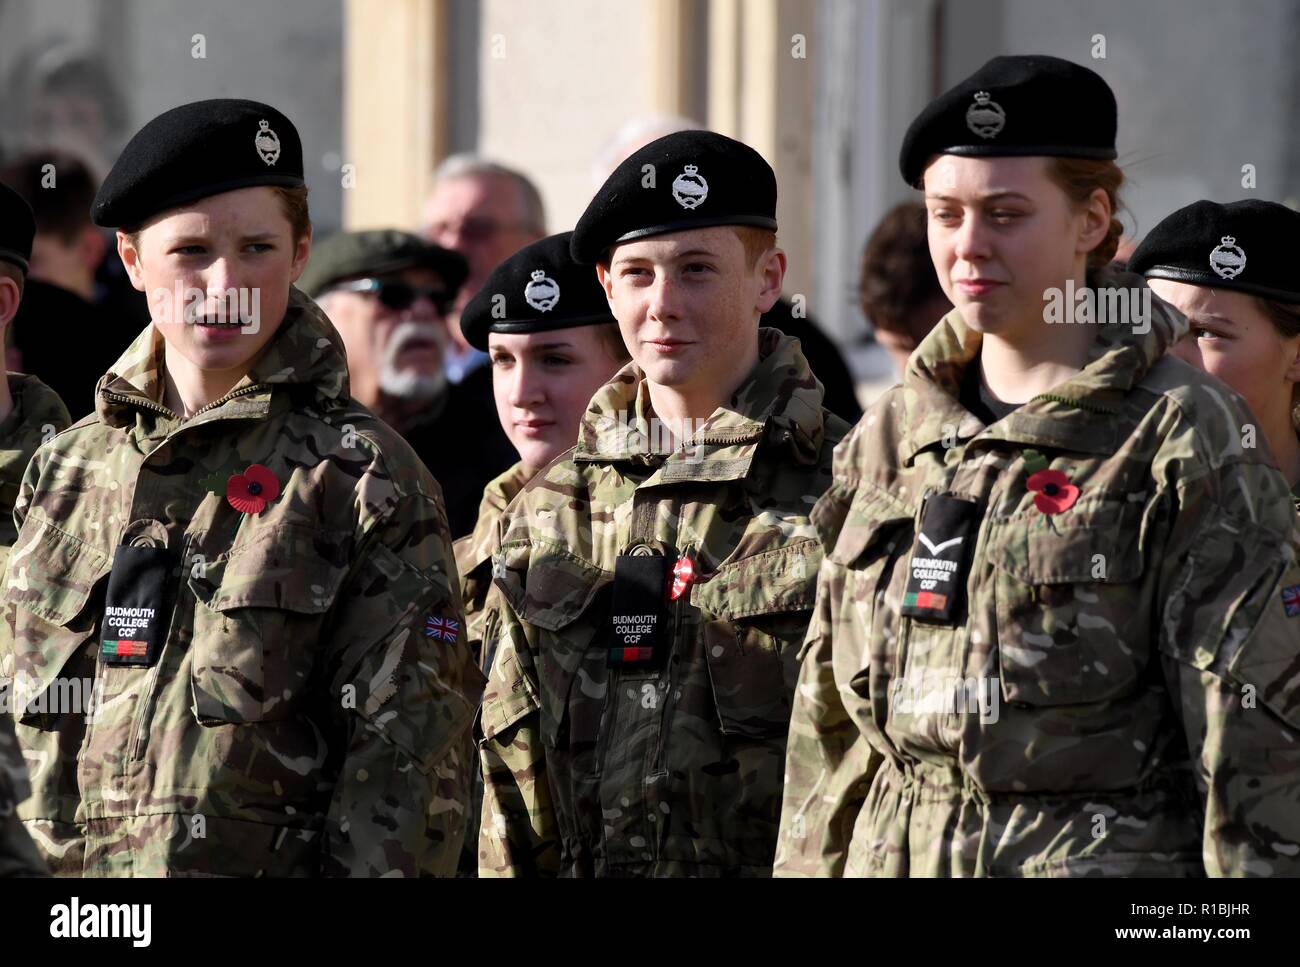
409,384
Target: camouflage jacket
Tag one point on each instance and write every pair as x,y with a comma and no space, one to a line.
474,562
1121,696
474,556
37,415
310,708
594,769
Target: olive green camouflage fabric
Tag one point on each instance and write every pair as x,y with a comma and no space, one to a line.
600,770
474,562
301,717
474,554
37,415
1122,697
18,854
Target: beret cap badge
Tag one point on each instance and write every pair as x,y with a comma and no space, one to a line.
267,143
1227,258
542,293
985,117
690,189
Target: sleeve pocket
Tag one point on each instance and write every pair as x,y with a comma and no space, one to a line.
48,597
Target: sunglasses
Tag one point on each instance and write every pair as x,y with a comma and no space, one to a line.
400,296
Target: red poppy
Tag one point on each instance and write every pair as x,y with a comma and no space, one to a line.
683,577
249,492
1053,492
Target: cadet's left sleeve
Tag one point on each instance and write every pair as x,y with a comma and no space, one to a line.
18,854
828,763
1231,656
518,834
407,685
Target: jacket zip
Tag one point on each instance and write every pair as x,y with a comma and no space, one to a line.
640,532
149,694
670,694
148,697
159,408
904,626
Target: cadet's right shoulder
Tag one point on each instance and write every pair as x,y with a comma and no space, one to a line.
88,434
874,439
569,504
554,504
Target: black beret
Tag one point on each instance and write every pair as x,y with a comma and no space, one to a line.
1244,245
17,228
350,255
194,151
1013,107
696,179
537,289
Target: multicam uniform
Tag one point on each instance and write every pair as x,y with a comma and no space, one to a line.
37,415
1121,697
309,710
595,769
474,556
474,562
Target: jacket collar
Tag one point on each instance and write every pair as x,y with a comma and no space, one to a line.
476,549
779,402
1078,414
306,351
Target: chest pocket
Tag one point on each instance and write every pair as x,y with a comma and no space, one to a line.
871,546
51,584
566,601
755,614
258,616
1073,611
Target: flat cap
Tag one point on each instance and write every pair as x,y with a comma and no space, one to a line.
538,289
1245,245
686,180
196,150
1015,106
17,228
350,255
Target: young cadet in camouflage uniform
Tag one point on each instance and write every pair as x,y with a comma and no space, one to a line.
654,594
30,413
1243,307
248,572
1053,632
553,342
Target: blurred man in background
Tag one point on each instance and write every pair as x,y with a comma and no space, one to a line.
389,293
486,212
898,290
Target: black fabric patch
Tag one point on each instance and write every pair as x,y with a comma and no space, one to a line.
639,617
936,573
136,612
